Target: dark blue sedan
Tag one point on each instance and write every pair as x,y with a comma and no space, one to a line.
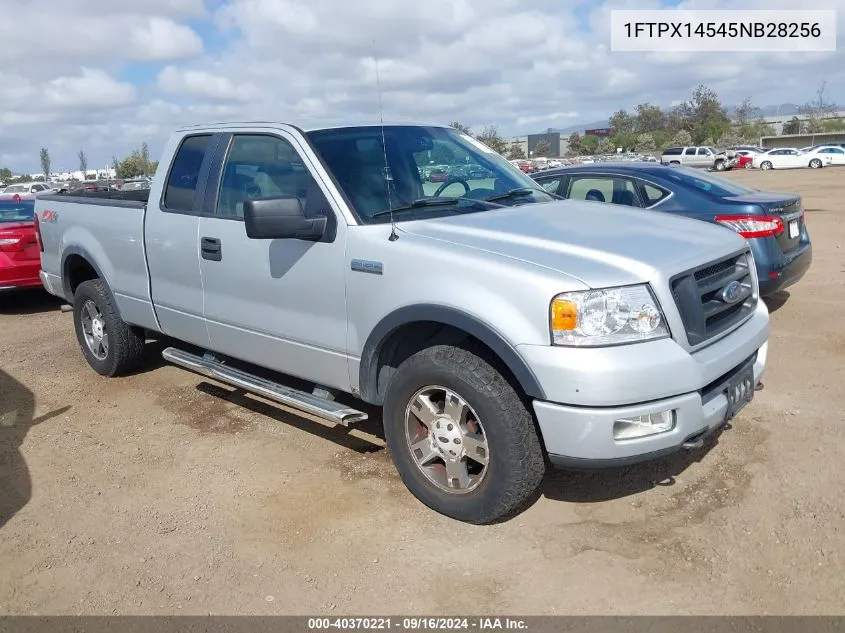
773,223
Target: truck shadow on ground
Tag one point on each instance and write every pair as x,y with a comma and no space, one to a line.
591,486
573,486
28,301
17,407
776,301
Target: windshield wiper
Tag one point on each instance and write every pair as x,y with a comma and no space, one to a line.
428,202
515,193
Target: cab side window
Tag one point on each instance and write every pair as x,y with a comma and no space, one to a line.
184,174
261,166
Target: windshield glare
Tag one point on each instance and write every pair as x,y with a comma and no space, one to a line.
15,189
700,179
421,163
16,211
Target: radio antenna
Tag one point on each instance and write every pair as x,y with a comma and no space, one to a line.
393,235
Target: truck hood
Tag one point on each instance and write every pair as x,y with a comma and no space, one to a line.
598,244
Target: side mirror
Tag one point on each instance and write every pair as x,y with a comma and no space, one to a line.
281,218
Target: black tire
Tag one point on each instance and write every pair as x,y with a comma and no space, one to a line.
516,465
719,166
766,165
125,351
815,164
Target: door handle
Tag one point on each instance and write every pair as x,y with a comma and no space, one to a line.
211,249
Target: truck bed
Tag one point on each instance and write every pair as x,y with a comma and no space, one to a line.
102,229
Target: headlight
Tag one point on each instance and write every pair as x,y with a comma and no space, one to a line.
609,316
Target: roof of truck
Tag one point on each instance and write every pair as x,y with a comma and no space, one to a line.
310,126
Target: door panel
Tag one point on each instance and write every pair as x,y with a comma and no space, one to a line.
281,303
171,243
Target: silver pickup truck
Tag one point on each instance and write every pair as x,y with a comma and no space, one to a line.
498,328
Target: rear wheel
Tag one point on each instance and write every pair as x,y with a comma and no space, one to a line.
462,439
109,345
815,163
765,165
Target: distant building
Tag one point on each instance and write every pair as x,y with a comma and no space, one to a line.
777,122
557,142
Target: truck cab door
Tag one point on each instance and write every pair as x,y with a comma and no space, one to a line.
170,234
276,303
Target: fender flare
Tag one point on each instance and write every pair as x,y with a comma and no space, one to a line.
368,370
78,250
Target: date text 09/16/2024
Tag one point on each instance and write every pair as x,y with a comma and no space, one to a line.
417,623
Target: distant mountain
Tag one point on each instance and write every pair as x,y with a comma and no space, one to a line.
784,109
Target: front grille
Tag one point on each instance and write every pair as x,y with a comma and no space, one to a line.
698,295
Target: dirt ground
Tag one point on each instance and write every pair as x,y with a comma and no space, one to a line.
164,494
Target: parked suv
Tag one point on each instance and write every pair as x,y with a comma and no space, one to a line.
696,156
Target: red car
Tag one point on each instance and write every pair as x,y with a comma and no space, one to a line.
20,250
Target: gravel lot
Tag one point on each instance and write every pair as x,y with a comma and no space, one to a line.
164,494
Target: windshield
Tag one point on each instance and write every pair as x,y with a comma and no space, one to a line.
422,172
704,181
22,211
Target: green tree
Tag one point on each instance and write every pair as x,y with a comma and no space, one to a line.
649,118
542,148
793,126
622,122
490,137
625,140
834,125
515,151
606,146
817,110
728,140
575,146
460,127
45,163
645,143
682,139
710,128
83,163
145,157
115,164
746,113
590,144
703,114
5,174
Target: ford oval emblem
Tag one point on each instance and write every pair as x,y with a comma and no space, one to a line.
732,292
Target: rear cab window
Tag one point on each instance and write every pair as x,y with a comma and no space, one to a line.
181,187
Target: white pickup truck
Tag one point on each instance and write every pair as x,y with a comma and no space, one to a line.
498,328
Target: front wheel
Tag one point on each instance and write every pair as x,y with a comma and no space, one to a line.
110,346
720,165
462,439
765,165
815,164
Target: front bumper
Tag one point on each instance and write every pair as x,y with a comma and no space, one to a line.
607,384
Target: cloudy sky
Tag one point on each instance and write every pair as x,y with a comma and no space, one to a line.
106,75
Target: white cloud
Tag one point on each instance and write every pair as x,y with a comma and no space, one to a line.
161,39
523,66
204,84
92,88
